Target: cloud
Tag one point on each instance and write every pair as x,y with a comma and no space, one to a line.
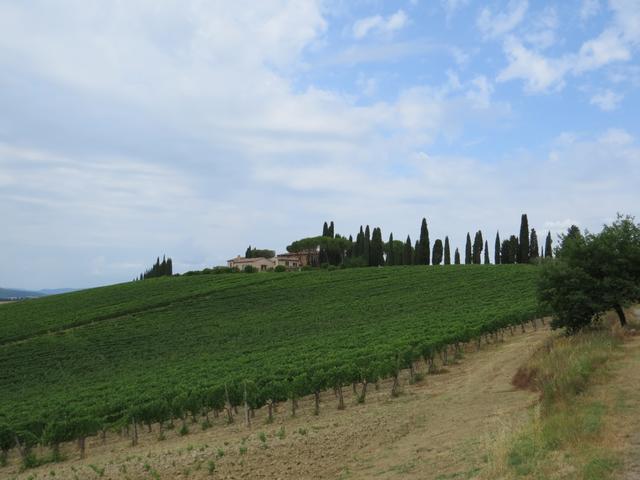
495,25
379,24
452,6
606,100
589,9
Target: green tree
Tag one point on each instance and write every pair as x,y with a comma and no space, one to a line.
534,252
391,259
548,249
593,273
424,248
366,252
437,252
523,248
377,248
456,257
447,251
467,251
407,254
331,232
477,248
486,253
496,252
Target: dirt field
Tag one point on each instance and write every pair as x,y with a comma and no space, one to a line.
439,428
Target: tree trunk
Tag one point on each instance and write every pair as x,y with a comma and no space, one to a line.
134,432
363,394
316,394
412,372
396,384
340,398
621,316
81,445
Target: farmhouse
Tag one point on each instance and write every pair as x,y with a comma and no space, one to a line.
290,261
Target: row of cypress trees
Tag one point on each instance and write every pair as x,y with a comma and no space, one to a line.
159,269
369,249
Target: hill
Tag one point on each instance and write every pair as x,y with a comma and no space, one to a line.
13,294
160,348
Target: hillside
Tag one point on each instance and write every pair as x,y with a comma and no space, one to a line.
12,293
115,351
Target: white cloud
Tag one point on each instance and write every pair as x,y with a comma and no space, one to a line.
451,6
379,24
495,25
538,72
589,9
606,100
542,33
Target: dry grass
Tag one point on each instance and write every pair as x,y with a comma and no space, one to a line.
574,432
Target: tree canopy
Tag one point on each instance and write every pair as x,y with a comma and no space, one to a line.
592,273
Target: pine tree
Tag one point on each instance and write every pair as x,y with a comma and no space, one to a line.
533,245
390,253
523,247
425,247
477,248
447,251
548,250
456,257
486,253
437,252
467,251
496,253
407,254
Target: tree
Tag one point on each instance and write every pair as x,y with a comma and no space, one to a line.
496,252
447,251
391,259
534,253
247,253
423,251
593,273
523,249
331,232
467,250
456,257
486,253
513,248
548,250
376,249
477,248
407,254
505,252
437,252
367,246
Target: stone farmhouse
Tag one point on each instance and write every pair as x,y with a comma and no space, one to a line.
291,261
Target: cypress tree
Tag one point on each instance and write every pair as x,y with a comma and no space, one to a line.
523,247
456,257
447,251
514,248
247,253
169,266
425,247
467,251
496,253
533,245
437,252
416,253
330,231
366,251
407,254
486,253
504,252
325,230
390,253
477,248
349,252
377,248
358,250
548,250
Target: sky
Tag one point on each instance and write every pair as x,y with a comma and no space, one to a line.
135,128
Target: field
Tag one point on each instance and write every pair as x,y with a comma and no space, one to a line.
150,351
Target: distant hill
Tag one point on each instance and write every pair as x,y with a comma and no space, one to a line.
12,294
56,291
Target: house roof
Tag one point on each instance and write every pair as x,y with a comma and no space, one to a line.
247,260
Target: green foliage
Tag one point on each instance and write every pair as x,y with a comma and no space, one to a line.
437,252
159,269
280,268
259,253
593,273
230,329
523,241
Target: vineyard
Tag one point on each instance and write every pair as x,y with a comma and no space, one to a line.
151,352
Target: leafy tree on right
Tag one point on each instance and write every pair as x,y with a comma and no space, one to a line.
592,273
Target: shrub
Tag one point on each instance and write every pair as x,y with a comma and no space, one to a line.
280,268
249,269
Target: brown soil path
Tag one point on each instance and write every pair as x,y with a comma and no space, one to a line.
440,428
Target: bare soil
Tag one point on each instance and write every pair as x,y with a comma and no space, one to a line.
438,428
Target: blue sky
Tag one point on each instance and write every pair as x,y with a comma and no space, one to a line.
195,128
